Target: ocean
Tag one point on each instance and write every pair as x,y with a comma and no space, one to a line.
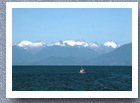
68,78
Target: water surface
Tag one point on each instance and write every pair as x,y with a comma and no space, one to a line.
68,78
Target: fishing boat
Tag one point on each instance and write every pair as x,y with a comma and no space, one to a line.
82,71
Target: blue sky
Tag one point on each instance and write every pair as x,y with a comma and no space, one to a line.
85,24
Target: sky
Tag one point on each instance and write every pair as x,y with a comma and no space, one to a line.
85,24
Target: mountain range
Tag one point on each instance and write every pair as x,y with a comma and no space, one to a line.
70,52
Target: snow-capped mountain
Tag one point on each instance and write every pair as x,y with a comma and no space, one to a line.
84,44
71,53
29,44
70,43
27,52
111,44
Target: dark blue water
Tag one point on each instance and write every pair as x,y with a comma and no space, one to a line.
68,78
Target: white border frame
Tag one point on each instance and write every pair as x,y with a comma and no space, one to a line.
71,94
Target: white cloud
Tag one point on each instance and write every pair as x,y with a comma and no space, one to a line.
30,44
111,44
